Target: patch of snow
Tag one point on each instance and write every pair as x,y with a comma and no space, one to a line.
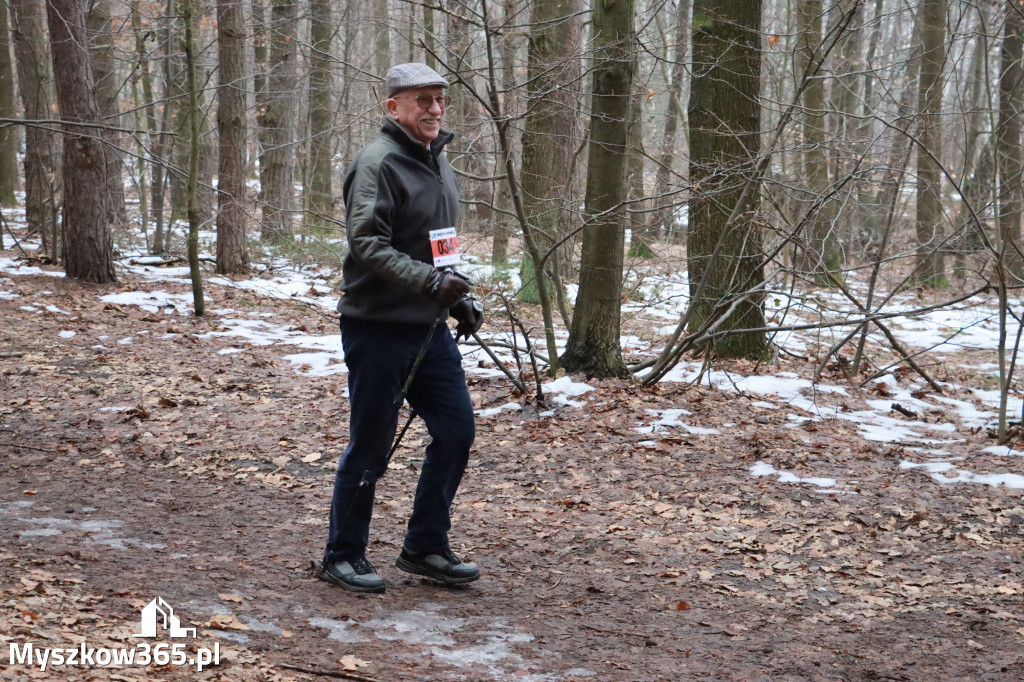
564,387
13,267
671,418
490,412
151,301
947,474
1003,451
764,469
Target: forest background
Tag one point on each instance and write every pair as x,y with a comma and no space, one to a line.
659,194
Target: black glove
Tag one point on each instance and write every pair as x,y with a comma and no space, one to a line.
470,316
446,288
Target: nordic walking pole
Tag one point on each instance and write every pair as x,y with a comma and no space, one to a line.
408,383
442,315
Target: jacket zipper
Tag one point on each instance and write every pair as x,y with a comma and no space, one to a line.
444,194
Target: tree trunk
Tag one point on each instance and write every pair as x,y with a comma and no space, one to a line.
724,242
593,345
930,259
278,123
177,90
899,151
35,81
979,168
664,218
89,252
106,83
232,253
188,17
821,256
636,212
428,35
1010,155
845,98
381,37
549,128
319,197
977,110
503,223
8,134
162,148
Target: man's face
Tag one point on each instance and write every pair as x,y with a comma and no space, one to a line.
423,124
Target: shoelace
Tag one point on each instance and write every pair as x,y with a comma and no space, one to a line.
362,566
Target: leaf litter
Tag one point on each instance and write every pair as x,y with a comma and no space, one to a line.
615,541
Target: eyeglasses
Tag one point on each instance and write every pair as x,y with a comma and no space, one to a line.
427,101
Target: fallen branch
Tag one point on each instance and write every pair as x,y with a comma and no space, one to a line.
173,260
28,447
905,412
340,674
10,232
501,365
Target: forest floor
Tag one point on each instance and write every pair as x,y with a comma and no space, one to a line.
146,453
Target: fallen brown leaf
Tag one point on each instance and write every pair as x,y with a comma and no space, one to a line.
226,621
350,662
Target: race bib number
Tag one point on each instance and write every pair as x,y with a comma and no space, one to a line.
444,244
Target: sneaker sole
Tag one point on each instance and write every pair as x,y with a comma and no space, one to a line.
326,577
439,577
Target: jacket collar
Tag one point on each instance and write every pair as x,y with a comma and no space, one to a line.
396,130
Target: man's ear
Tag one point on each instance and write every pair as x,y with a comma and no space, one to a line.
392,106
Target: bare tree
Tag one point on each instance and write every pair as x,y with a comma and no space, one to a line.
318,195
930,216
663,218
107,83
35,82
277,121
232,252
593,345
8,133
188,17
1009,154
549,127
724,248
821,258
88,247
161,151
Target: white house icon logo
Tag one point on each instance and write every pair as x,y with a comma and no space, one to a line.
171,624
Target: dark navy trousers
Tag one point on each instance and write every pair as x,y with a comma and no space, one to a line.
379,356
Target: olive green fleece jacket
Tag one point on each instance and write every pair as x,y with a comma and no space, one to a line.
396,191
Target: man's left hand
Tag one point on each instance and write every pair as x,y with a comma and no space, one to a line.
469,313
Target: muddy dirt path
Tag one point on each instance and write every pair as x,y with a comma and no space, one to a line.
161,467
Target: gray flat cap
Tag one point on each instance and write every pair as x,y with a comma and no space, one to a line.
413,75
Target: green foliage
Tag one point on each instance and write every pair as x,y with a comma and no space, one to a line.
529,293
323,249
640,249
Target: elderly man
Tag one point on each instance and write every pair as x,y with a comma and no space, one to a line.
401,204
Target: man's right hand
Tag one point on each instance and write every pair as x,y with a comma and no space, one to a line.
446,288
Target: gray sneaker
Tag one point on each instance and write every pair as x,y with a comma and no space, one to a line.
356,575
443,567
